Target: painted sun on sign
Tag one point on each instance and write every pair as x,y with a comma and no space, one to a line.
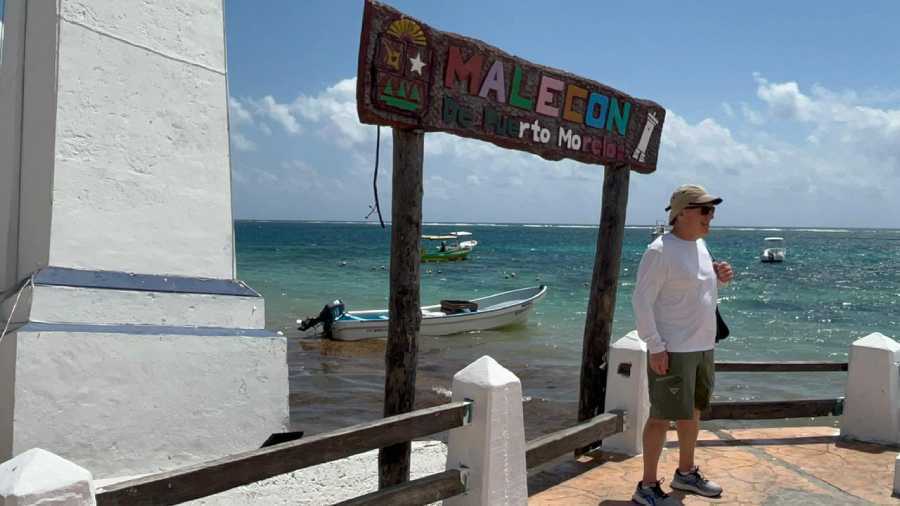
401,68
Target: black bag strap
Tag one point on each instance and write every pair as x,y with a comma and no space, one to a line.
722,330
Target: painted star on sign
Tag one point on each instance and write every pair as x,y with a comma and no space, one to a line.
417,64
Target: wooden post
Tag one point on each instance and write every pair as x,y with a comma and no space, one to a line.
602,304
404,307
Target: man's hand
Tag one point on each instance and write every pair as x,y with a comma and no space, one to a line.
723,271
659,362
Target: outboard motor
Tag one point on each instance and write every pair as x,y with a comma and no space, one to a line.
327,316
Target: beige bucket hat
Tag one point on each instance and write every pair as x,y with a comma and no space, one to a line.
689,195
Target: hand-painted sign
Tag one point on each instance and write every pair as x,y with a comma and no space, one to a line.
412,76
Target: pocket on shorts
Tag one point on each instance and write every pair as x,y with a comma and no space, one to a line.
667,390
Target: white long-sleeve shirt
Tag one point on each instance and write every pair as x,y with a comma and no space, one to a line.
675,296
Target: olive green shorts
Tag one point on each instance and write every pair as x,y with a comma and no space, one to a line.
688,385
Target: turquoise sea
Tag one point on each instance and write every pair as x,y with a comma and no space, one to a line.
836,286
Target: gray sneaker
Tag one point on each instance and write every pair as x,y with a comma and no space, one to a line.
696,483
649,496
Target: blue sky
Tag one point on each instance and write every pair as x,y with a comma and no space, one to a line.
788,110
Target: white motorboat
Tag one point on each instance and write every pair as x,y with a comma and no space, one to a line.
658,229
773,251
449,317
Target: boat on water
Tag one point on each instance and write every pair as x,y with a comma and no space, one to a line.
658,229
449,248
773,250
447,318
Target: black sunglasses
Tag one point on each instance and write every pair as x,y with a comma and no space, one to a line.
704,210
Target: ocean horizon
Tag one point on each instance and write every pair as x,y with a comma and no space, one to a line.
563,225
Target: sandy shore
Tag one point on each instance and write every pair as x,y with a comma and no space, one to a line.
330,482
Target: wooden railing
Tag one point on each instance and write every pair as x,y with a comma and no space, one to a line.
781,366
425,490
772,410
548,447
205,479
208,478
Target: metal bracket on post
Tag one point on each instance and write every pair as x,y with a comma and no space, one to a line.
838,407
464,477
623,418
467,414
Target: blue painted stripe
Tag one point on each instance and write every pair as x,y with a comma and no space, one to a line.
115,280
143,330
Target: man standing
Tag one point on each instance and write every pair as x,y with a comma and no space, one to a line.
674,303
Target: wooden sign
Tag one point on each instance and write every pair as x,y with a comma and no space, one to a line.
412,76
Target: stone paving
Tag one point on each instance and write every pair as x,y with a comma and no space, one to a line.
771,466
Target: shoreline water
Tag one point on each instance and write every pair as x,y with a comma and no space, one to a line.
834,288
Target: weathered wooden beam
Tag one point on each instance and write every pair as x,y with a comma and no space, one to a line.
424,490
780,366
773,410
405,315
604,283
207,478
550,446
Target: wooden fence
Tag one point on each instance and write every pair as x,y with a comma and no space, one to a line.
208,478
205,479
772,410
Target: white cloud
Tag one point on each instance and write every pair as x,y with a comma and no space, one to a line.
241,143
784,99
729,111
239,115
331,114
751,115
335,111
440,188
843,122
279,113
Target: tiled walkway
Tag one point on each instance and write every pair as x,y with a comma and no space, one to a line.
783,466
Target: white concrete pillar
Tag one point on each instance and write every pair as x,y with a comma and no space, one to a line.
626,389
38,477
123,163
872,406
492,447
897,476
115,203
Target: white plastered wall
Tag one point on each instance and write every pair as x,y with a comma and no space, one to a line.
141,181
133,404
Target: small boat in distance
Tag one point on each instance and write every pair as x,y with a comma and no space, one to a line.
448,317
658,229
773,250
450,248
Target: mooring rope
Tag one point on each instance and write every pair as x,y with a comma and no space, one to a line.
377,206
12,312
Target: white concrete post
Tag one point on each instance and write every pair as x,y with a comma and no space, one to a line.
492,446
40,477
872,406
897,476
626,389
